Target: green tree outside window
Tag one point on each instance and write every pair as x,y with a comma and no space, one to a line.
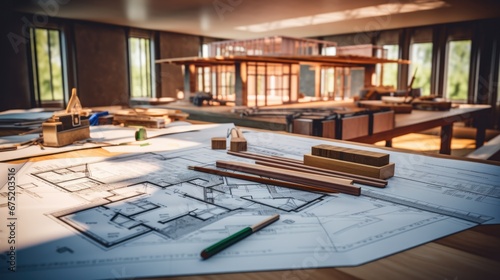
421,59
457,78
140,67
47,64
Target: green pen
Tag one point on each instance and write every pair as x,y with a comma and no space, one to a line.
230,240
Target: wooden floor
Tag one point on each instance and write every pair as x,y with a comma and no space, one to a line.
420,142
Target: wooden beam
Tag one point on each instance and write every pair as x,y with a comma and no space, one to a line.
380,172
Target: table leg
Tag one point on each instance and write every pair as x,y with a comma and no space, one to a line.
446,136
388,143
480,134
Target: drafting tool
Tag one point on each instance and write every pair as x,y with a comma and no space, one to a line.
66,127
258,179
232,239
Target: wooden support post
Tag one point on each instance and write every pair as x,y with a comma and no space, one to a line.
240,84
369,71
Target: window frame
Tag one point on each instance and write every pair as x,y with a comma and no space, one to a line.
36,92
148,76
447,70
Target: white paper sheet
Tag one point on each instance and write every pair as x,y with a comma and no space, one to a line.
145,215
106,135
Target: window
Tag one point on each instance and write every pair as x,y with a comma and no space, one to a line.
390,70
457,73
421,62
140,67
47,66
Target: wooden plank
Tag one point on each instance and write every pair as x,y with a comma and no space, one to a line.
487,151
308,169
259,179
299,163
351,155
319,181
380,172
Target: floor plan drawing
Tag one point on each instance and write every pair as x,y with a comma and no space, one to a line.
147,214
131,211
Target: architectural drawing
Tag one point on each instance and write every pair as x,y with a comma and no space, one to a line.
144,215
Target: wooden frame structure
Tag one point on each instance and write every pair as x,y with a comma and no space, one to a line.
242,65
266,71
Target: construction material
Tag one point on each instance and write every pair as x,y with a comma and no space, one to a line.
380,172
288,163
238,142
351,155
261,180
320,181
218,143
148,117
305,168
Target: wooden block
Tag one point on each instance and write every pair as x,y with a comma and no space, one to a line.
380,172
238,144
352,155
218,143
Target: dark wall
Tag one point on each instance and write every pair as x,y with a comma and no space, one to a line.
14,75
97,60
173,45
101,64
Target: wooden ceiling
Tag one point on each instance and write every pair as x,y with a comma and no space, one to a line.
343,60
245,19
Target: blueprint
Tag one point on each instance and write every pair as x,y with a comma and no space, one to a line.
146,214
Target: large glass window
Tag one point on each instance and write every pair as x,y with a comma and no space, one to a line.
140,67
47,65
457,73
390,70
421,62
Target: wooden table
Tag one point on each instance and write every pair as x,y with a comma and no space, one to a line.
419,120
470,254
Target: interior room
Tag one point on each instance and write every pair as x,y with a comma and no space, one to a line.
167,126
